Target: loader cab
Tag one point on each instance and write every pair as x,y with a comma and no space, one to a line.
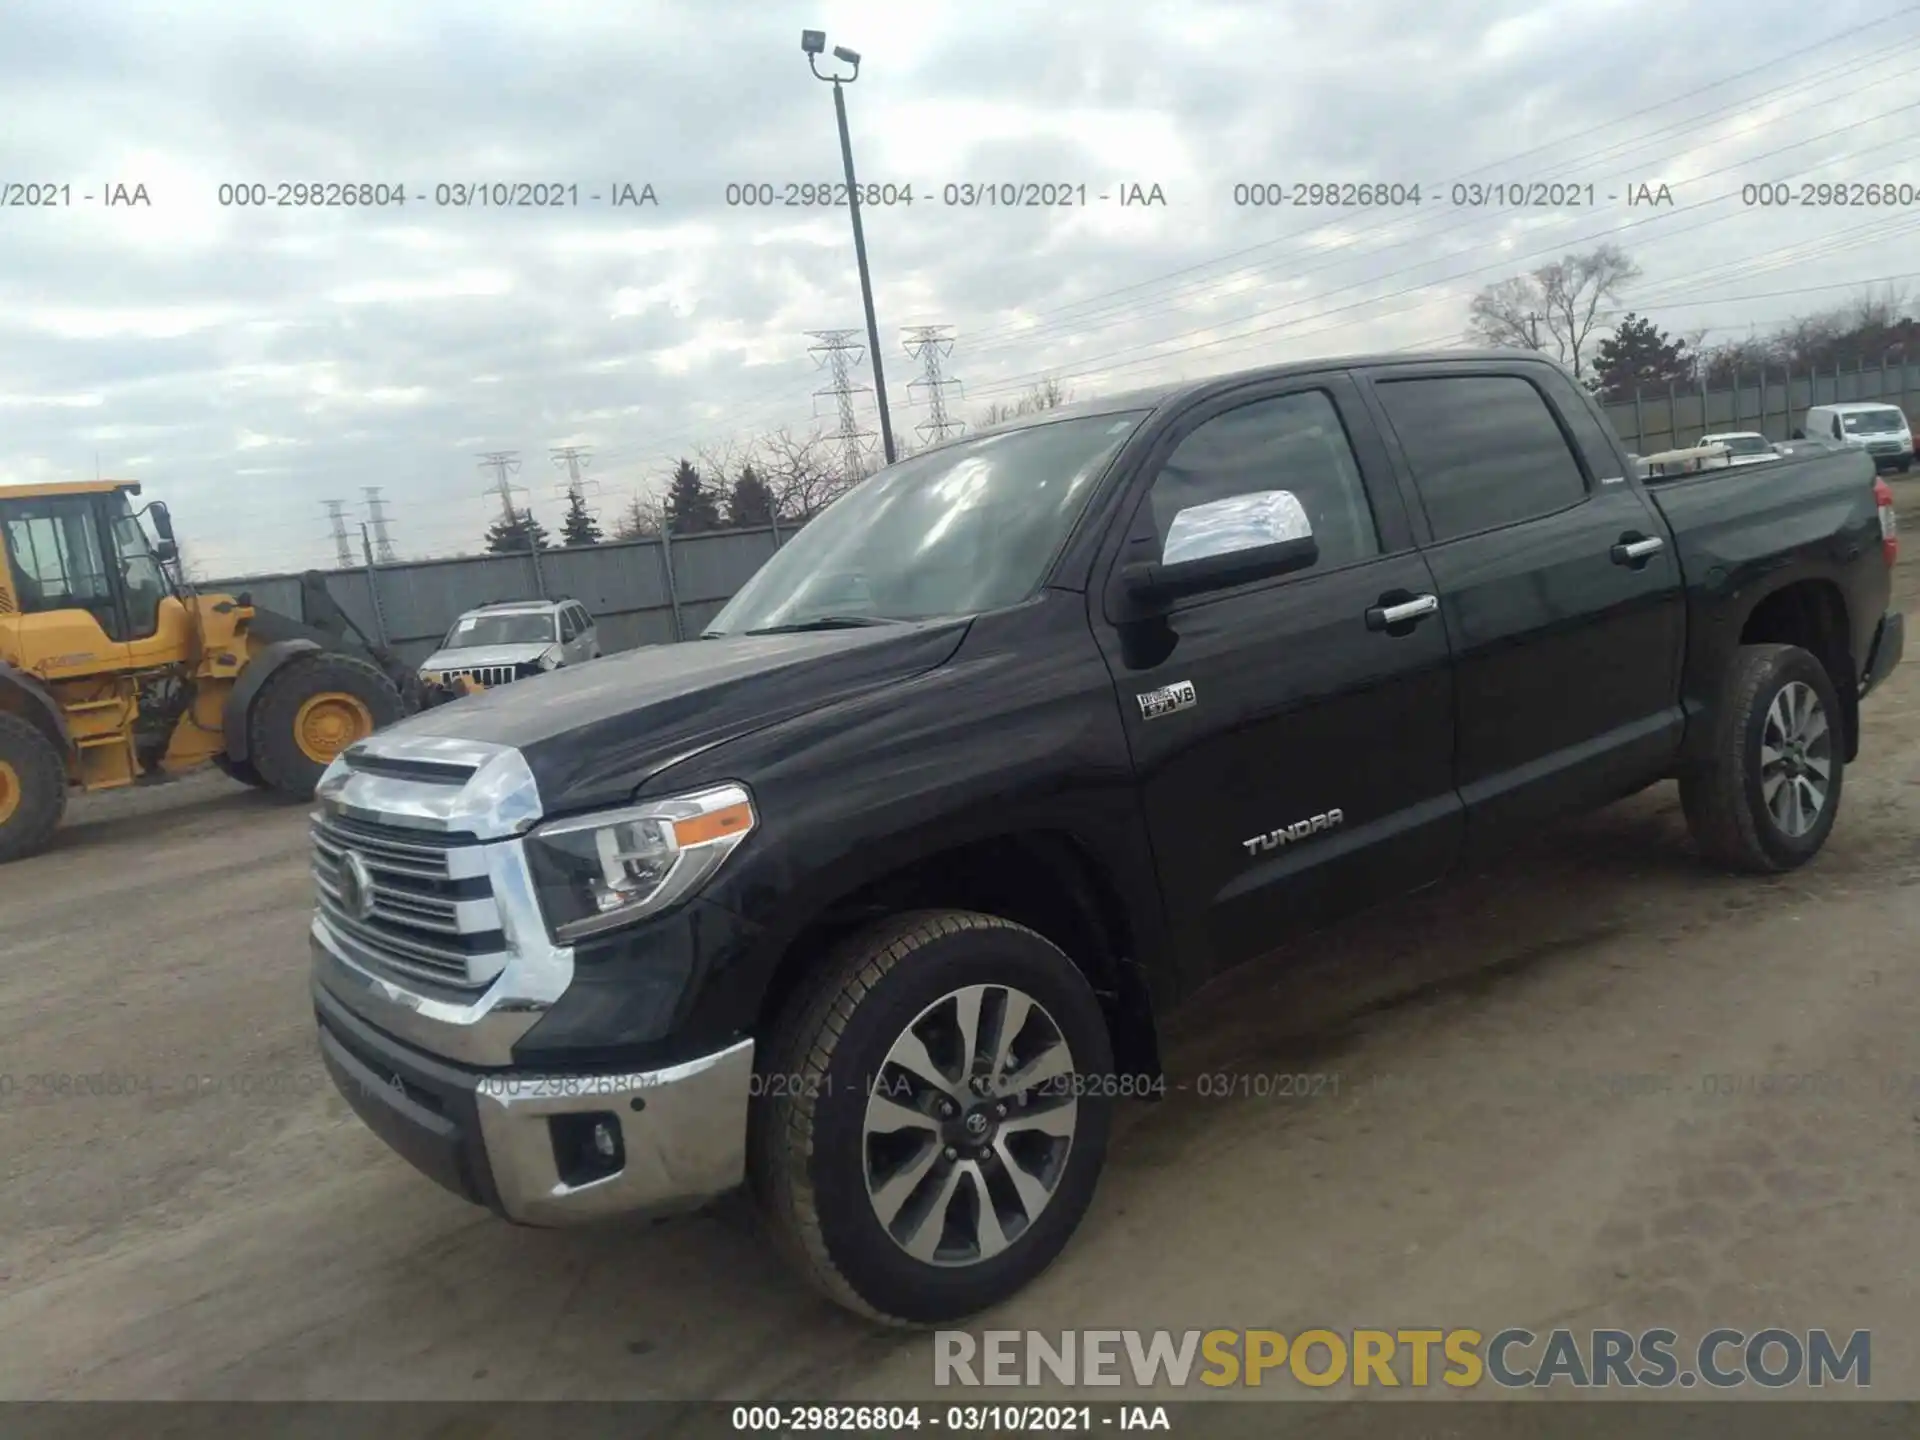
75,551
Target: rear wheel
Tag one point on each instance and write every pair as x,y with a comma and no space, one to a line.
309,711
932,1116
33,788
1766,796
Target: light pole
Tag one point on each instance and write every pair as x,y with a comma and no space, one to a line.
813,42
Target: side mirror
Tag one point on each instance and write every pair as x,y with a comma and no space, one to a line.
162,521
166,552
1227,542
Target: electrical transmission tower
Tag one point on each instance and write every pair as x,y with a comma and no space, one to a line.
839,351
343,551
377,514
504,464
576,459
930,344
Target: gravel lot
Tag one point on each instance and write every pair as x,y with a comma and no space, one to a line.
1553,1108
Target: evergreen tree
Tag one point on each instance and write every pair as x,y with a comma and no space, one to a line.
750,502
518,535
691,506
1640,355
579,528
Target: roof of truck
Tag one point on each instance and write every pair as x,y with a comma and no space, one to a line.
1854,407
71,487
1155,396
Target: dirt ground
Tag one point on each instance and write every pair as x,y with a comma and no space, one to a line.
1596,1086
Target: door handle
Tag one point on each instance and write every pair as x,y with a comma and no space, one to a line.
1633,551
1385,617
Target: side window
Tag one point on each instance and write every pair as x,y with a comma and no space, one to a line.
1838,432
56,555
1291,442
1485,451
568,629
1594,438
581,619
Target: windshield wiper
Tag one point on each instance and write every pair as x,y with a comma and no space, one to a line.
824,622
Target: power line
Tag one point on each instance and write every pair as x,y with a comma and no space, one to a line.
1021,336
929,344
1016,382
343,551
995,336
839,351
376,513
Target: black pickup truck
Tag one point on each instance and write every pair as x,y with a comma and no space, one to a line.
872,898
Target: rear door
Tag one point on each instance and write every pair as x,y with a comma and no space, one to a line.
1558,583
1293,760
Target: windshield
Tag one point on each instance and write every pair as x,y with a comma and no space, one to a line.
1874,422
525,628
972,526
1745,445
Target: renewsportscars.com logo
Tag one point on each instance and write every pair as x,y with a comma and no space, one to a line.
1513,1359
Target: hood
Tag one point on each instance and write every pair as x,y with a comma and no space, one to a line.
469,657
592,733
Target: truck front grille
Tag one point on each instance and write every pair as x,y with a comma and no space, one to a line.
487,675
429,913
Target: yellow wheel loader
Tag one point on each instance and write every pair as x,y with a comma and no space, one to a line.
113,668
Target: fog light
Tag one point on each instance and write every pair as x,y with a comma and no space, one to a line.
587,1147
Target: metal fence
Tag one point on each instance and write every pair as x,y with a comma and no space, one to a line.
642,592
1771,402
650,592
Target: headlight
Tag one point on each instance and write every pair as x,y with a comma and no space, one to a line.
598,872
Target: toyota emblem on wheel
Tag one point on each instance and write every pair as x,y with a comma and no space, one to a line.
356,886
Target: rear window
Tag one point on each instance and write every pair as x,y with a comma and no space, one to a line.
1485,451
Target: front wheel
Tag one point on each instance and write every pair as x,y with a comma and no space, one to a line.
932,1116
33,788
310,710
1765,797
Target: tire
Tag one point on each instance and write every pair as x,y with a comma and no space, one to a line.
240,770
33,788
1726,799
808,1147
286,746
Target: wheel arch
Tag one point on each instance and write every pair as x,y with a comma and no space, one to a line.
1047,880
1811,612
23,695
261,667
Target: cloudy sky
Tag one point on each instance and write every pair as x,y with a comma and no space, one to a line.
249,363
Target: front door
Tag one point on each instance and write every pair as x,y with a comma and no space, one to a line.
1294,758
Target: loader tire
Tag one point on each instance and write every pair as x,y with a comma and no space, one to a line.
241,770
310,710
33,788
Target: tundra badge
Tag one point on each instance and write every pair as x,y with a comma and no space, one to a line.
1166,700
1287,834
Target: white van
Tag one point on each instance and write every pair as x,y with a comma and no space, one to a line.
1870,425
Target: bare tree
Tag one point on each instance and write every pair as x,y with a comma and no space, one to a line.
804,472
1563,298
642,518
1042,395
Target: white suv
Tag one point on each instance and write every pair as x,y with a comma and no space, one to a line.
499,644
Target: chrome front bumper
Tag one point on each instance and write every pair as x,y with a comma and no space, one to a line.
508,1139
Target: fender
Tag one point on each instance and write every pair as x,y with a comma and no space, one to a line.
41,708
260,669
